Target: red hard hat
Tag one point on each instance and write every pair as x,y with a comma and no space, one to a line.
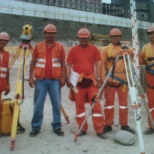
115,32
150,29
4,36
50,28
83,33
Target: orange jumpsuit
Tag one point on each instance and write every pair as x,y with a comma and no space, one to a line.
148,52
83,60
116,83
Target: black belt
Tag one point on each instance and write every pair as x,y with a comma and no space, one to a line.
115,86
149,86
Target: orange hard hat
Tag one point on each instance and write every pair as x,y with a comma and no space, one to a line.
115,32
83,33
150,29
50,28
4,36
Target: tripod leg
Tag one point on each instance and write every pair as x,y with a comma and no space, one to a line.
134,100
14,58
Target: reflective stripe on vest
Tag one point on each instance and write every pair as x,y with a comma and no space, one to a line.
41,60
4,69
40,65
3,75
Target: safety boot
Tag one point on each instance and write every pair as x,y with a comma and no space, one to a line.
107,128
149,131
102,135
34,133
127,128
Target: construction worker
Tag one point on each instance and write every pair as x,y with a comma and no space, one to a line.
48,67
4,70
147,59
117,82
82,60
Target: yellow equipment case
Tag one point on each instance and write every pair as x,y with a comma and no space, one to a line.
7,118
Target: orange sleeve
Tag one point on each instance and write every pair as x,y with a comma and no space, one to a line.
103,63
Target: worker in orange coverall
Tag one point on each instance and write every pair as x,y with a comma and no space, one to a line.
82,59
117,82
4,70
147,59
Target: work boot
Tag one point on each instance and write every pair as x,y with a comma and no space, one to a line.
34,133
127,128
149,131
82,133
59,132
102,135
107,128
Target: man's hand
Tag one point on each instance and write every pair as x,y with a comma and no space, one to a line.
69,84
31,82
62,81
7,90
125,52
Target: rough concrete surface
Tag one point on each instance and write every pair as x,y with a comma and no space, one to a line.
48,142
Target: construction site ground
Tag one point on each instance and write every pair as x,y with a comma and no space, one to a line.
47,142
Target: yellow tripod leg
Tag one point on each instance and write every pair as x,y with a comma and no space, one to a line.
14,58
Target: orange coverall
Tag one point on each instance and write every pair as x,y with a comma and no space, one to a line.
148,52
113,85
83,60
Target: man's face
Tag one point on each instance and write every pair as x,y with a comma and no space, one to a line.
151,36
3,43
50,36
115,39
83,41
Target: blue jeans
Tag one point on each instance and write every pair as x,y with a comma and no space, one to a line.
52,86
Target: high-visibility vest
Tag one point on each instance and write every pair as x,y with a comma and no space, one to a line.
4,70
41,61
149,58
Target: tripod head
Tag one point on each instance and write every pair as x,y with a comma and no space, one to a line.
26,33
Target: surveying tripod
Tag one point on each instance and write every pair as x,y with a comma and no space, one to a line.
23,52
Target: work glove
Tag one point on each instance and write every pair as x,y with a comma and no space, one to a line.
125,52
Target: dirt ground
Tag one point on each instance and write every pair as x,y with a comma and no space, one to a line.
48,142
